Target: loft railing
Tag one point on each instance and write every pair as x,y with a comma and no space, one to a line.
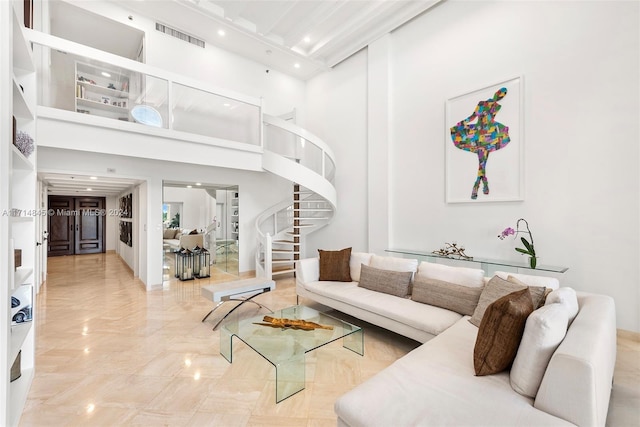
81,79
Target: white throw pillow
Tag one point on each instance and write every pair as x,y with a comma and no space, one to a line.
471,277
545,329
393,263
356,260
567,297
529,280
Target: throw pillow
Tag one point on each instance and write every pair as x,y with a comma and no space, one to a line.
334,265
473,277
169,233
530,280
536,304
567,297
194,231
497,288
357,259
500,333
543,332
393,263
390,282
458,298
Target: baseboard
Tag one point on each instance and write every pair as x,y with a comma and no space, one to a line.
629,335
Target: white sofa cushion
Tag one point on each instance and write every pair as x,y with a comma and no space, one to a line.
393,263
356,260
428,318
530,280
434,385
567,297
472,277
545,329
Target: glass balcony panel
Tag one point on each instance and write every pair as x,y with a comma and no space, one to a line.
208,114
76,83
329,168
294,147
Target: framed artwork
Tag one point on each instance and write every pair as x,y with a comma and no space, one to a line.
484,147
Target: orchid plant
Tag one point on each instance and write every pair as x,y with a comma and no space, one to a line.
528,246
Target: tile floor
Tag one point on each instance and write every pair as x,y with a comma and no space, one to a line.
110,353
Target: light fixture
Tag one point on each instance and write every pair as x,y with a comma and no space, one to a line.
221,32
89,189
93,177
296,65
104,73
226,104
189,186
198,183
307,39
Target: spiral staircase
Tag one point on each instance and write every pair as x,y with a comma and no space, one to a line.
304,159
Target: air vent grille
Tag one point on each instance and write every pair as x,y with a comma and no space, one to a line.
179,35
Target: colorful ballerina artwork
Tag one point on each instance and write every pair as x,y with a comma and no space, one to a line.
482,137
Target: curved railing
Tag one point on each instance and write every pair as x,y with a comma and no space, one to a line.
304,159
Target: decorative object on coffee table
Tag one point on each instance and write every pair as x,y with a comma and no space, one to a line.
291,324
452,250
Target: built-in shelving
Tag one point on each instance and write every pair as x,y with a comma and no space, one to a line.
20,219
102,91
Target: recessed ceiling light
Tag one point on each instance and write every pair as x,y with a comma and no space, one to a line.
198,183
189,186
104,73
221,33
226,104
93,177
307,39
88,189
296,65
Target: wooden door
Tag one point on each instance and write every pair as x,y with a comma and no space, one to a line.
89,225
61,240
76,225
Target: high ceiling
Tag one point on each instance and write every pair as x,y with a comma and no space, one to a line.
314,34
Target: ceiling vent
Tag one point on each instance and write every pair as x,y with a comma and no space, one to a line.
179,34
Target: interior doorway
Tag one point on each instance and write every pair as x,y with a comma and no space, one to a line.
208,210
76,225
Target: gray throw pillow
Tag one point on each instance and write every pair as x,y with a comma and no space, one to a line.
496,289
390,282
458,298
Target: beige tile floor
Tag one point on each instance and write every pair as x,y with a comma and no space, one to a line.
110,353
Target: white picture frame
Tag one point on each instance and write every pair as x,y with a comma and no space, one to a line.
477,123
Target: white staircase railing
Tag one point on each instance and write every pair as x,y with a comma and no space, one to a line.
301,157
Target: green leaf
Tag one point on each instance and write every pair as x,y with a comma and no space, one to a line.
522,251
527,244
533,261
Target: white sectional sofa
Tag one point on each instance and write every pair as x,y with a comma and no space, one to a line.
436,384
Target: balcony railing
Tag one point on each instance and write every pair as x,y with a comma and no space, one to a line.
81,79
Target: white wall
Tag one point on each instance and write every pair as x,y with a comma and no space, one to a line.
337,113
580,64
196,206
258,191
112,232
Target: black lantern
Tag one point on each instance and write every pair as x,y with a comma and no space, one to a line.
184,264
202,263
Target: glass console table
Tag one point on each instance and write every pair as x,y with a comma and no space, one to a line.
490,266
286,348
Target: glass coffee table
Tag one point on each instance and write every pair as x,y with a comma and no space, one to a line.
285,348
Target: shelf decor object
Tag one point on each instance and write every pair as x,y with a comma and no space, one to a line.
24,143
479,123
528,246
452,250
201,262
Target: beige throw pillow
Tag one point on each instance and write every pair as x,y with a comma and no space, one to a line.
544,330
500,332
497,288
390,282
334,265
458,298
